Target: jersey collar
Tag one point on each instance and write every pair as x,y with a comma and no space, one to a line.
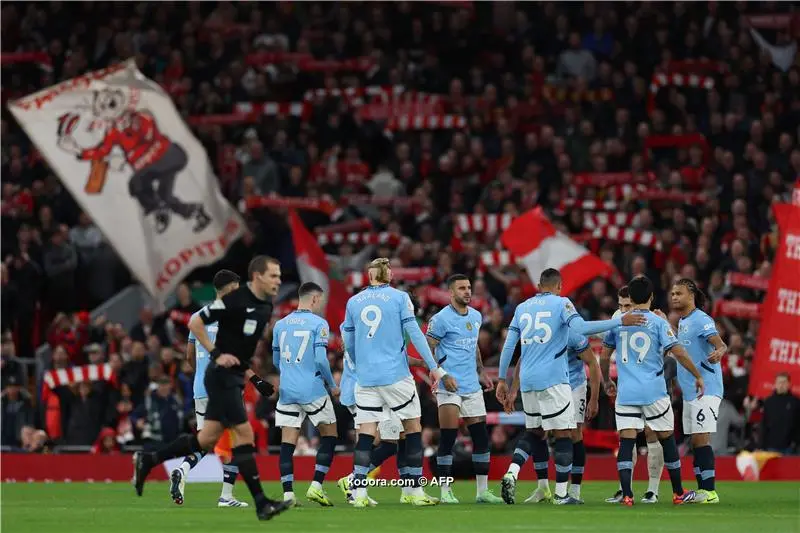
546,293
382,285
690,313
301,311
451,306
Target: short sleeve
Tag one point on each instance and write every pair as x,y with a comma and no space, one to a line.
322,334
217,309
668,338
707,328
437,328
406,309
568,311
610,339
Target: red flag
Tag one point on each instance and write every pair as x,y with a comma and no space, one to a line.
536,244
313,266
778,348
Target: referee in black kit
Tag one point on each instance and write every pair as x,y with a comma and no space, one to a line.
242,316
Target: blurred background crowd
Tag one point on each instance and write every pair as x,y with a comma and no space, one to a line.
549,92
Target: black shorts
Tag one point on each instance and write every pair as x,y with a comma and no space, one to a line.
225,401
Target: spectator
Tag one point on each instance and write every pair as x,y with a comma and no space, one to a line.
160,417
576,62
150,325
183,310
17,412
135,372
780,426
262,169
85,415
60,264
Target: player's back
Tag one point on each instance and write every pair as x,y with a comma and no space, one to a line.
458,340
298,334
640,359
543,328
694,331
377,315
201,358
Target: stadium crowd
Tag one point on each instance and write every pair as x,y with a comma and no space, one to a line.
549,93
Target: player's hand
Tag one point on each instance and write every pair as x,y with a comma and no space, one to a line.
486,381
610,388
633,319
592,409
227,360
659,312
68,144
511,399
699,387
716,356
501,391
450,384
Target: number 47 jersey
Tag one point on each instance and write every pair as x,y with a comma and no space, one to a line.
299,350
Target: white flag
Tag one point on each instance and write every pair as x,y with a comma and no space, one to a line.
119,145
782,56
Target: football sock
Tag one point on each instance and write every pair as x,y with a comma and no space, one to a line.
381,453
286,466
672,461
541,458
229,473
521,453
444,457
578,463
190,461
244,458
563,460
325,452
655,465
183,445
625,465
402,465
414,459
697,471
361,463
480,455
705,462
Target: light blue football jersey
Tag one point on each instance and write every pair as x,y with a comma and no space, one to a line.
458,344
640,359
375,338
201,359
541,325
347,385
576,345
694,331
300,352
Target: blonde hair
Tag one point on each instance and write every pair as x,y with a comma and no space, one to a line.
380,267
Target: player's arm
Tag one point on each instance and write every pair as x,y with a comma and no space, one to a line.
605,364
348,331
414,362
321,354
680,354
264,387
577,324
511,397
414,332
191,352
720,348
483,378
512,338
208,315
587,356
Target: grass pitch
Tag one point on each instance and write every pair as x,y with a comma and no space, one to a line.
114,508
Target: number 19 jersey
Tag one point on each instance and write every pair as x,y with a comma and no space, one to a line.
542,323
640,359
376,317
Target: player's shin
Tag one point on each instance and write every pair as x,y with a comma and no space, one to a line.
655,465
325,453
625,465
190,461
183,445
361,459
402,463
672,461
414,460
480,455
286,466
696,469
563,460
381,453
244,458
578,465
444,457
705,462
541,459
229,473
521,453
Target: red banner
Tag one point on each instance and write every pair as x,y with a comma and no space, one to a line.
778,348
737,309
748,281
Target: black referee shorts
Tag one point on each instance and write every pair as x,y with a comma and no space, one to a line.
225,401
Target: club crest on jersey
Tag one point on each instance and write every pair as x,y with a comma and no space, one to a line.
324,333
469,326
569,307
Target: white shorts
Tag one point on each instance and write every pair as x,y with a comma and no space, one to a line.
657,416
469,405
291,415
579,403
389,429
373,404
700,415
200,411
550,408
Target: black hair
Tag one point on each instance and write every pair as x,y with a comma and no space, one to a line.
308,288
549,277
224,278
699,297
641,289
624,292
456,277
259,264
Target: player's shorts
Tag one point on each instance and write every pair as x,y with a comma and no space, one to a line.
373,404
579,403
291,415
469,405
550,408
224,403
657,416
700,415
389,429
200,405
